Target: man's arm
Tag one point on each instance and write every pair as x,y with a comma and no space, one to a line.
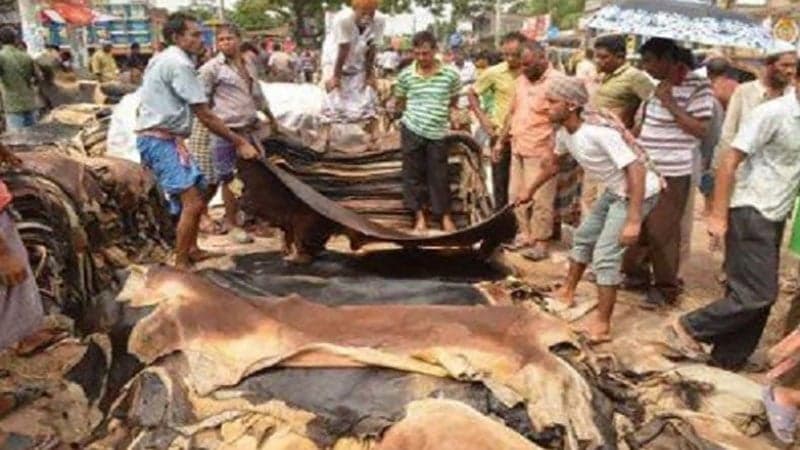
475,107
635,174
724,181
733,117
218,127
550,167
697,127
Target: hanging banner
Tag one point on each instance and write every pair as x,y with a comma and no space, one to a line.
74,12
536,27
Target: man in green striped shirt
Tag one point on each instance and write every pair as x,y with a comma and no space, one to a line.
427,91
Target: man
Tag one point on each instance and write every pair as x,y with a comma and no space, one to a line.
498,82
136,60
756,188
103,65
234,91
280,65
717,69
21,312
604,147
462,120
170,94
780,68
674,122
348,63
532,139
426,92
622,89
17,77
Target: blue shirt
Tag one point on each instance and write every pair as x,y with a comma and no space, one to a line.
169,88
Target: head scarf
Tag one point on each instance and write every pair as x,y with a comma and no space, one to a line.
573,90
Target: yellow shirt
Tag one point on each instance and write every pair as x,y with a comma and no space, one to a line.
624,89
501,82
104,67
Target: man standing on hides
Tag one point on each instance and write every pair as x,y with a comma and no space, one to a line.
348,63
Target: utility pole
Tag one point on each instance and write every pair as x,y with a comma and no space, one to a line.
221,11
498,15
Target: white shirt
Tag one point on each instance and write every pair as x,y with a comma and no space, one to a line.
603,153
586,70
344,30
769,178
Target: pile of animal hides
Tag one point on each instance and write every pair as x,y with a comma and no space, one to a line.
81,215
370,182
356,352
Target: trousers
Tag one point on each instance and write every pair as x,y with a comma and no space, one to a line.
734,323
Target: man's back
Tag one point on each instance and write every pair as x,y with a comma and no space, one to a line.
16,80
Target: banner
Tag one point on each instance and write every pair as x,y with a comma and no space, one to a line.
536,27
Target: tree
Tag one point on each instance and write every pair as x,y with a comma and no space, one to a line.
201,14
563,13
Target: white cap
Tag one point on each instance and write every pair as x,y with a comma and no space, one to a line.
780,47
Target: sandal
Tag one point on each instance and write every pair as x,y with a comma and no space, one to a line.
535,254
682,346
782,419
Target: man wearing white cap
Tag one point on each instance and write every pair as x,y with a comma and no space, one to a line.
780,68
348,61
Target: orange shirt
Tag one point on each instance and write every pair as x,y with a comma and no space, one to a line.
532,134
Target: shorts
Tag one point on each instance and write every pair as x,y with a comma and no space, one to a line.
174,177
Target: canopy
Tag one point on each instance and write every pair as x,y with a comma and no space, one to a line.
683,20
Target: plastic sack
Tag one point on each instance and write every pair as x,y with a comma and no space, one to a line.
121,140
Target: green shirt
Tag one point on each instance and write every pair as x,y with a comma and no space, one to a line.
428,100
16,80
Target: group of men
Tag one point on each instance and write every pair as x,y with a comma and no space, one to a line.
641,136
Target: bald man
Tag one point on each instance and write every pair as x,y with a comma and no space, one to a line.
348,61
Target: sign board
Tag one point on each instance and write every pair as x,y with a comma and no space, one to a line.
786,29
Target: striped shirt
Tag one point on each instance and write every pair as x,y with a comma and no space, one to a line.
428,100
671,148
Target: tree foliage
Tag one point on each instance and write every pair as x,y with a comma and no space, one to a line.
264,14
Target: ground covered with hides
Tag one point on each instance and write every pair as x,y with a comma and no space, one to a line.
358,351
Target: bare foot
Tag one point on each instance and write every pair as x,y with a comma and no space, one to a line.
421,225
565,296
447,224
299,258
595,330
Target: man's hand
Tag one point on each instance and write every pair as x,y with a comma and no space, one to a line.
717,227
247,151
523,197
334,83
630,233
13,270
663,92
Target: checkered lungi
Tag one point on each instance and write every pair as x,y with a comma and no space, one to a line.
200,147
